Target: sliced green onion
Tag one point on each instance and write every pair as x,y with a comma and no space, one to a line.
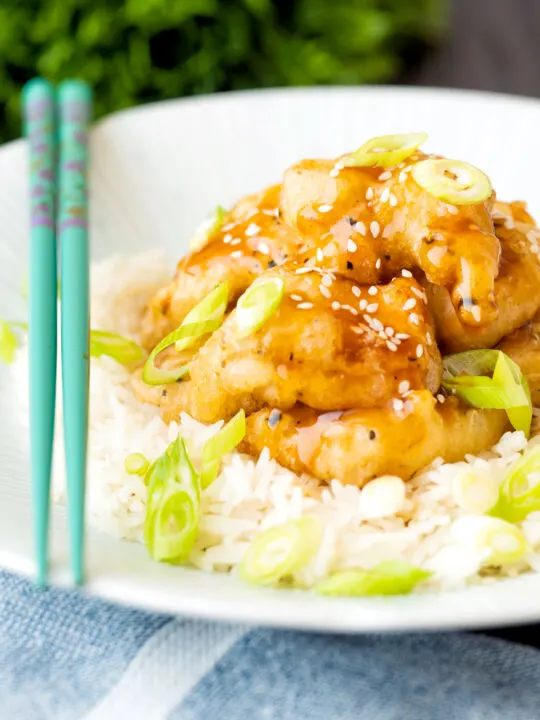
213,307
385,150
392,577
220,444
206,317
8,342
173,505
207,228
475,493
517,496
505,542
452,180
280,551
507,389
257,304
119,348
136,464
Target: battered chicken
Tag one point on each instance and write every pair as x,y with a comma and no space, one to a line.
517,287
356,446
342,380
377,222
332,344
252,239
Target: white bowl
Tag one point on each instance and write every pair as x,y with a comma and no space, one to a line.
156,171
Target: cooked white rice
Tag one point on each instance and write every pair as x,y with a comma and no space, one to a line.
419,521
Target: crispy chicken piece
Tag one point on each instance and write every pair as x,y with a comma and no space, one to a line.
372,222
523,346
517,288
252,239
356,446
332,344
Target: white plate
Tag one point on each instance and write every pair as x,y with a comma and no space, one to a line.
156,172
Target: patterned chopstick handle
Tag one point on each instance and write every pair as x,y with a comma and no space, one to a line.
75,118
39,114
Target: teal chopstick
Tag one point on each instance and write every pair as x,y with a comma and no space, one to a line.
39,118
74,108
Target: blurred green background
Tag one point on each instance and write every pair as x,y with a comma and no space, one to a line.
134,51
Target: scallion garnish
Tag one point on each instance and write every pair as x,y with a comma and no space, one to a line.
452,180
280,551
498,542
518,496
207,228
173,505
260,301
467,375
136,464
117,347
386,150
8,340
204,318
220,444
391,577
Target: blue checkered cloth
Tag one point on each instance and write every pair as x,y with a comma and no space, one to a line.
64,656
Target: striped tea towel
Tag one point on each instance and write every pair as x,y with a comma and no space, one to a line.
64,656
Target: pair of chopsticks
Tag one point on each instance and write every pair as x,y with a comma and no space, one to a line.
56,124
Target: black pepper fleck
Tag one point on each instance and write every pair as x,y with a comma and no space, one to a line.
372,434
350,266
291,356
387,256
271,264
351,220
164,393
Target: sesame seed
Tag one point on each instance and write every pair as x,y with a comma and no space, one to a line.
252,229
391,345
385,175
375,228
419,351
263,249
298,298
476,313
326,280
272,213
406,273
305,306
441,398
236,241
319,254
335,305
535,249
303,270
402,176
360,227
356,290
413,317
376,324
334,172
402,336
409,304
325,208
452,209
378,263
398,404
403,387
389,331
369,193
373,307
385,195
419,293
236,254
393,200
429,339
363,304
252,212
227,238
352,246
229,226
357,329
324,291
373,290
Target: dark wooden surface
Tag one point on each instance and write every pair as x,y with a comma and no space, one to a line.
493,45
